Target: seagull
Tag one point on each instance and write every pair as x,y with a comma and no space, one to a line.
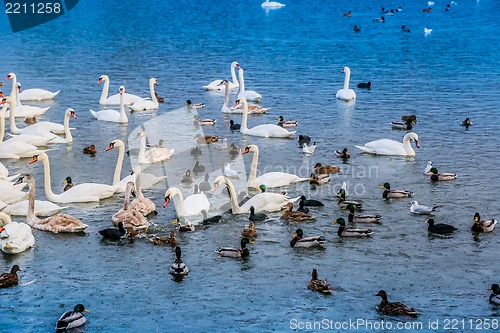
421,209
427,31
228,172
428,168
430,3
310,149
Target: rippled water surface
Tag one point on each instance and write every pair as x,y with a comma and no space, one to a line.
293,57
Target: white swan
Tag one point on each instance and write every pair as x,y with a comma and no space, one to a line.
148,180
152,155
192,205
14,237
10,194
266,130
215,84
36,94
4,172
267,201
272,4
143,104
225,107
346,94
270,179
112,115
24,111
250,95
56,223
42,208
13,149
129,217
115,99
141,204
86,192
391,147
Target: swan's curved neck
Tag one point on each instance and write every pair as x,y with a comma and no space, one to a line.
105,89
152,91
5,219
67,131
407,145
242,81
31,217
46,182
347,78
123,115
233,196
142,148
127,198
12,120
119,164
13,91
252,178
181,209
233,75
244,127
138,190
226,96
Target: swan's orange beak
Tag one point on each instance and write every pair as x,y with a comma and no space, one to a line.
246,151
416,144
167,200
20,89
73,114
99,81
1,94
4,100
342,71
156,83
8,78
216,186
2,229
111,146
34,159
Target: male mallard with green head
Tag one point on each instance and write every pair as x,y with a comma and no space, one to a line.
388,193
344,231
483,225
299,240
72,319
234,252
436,176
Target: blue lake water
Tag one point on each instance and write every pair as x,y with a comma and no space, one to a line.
293,56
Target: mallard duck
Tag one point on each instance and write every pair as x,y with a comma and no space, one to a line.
234,252
286,124
319,285
344,231
323,169
412,117
191,105
195,151
208,139
467,122
234,149
159,98
30,120
113,233
427,10
249,232
394,309
68,183
348,14
233,126
363,85
72,319
315,179
407,125
198,167
289,214
184,224
302,208
379,19
354,218
204,122
211,219
256,217
90,150
308,150
310,202
188,177
439,228
495,294
415,208
483,225
298,240
344,204
178,268
303,139
428,168
436,176
10,279
358,29
172,240
388,193
343,154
